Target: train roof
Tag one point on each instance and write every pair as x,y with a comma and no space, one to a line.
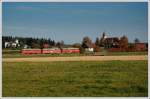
70,48
31,49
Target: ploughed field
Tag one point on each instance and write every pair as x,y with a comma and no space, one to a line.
75,78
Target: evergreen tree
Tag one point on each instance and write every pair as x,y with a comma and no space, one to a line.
97,42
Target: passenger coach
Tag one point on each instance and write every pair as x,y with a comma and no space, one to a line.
50,51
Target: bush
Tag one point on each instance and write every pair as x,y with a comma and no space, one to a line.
82,50
97,49
115,50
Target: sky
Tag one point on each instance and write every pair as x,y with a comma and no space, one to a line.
71,22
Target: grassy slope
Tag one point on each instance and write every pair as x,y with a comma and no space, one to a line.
112,78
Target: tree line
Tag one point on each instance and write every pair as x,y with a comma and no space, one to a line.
86,42
30,41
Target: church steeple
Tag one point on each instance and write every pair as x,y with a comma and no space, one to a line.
103,34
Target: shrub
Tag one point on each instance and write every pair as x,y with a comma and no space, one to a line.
97,49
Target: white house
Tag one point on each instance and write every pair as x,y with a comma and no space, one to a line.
89,49
12,44
7,44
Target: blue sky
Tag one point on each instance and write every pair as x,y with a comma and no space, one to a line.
70,22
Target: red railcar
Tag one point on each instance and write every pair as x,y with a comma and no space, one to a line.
70,50
31,51
51,51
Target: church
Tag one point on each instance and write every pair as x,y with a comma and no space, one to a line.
109,42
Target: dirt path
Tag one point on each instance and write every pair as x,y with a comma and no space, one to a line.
78,58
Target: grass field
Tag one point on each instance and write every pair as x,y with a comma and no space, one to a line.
109,78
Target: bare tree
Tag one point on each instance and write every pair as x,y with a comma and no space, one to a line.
62,43
86,41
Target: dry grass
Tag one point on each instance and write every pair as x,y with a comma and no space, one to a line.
77,58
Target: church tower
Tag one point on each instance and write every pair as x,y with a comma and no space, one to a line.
104,35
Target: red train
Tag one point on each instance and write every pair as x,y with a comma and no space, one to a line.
70,50
50,51
31,51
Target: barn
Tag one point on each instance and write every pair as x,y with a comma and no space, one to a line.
140,46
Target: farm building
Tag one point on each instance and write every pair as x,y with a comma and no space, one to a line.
111,42
89,47
140,46
12,44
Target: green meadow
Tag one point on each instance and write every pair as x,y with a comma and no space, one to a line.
89,79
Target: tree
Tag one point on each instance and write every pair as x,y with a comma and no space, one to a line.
35,45
97,42
41,43
131,47
82,50
21,43
62,43
97,49
31,42
86,41
58,44
77,45
123,42
53,43
137,40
